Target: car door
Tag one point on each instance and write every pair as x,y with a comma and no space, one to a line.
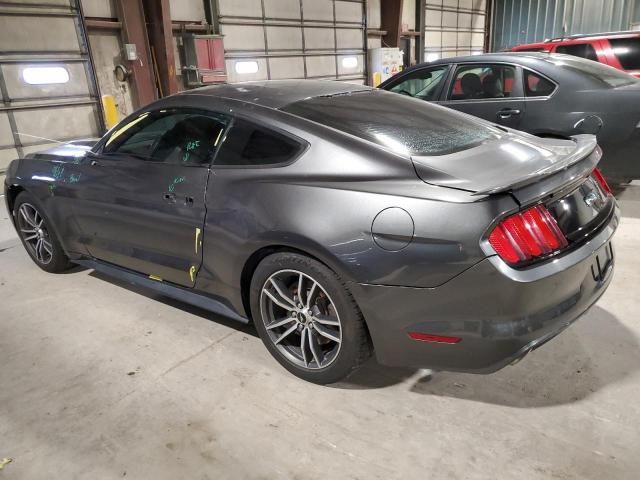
140,199
492,91
424,83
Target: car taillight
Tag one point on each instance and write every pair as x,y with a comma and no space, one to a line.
597,174
527,235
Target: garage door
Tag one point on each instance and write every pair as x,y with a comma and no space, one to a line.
453,28
278,39
47,87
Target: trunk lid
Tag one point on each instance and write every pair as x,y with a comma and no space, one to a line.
510,164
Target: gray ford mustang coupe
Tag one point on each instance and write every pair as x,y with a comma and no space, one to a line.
342,220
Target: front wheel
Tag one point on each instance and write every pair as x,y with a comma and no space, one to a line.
36,235
307,318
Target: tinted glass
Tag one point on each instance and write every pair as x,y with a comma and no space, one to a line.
627,50
537,86
398,123
602,75
169,136
247,144
424,84
482,81
584,50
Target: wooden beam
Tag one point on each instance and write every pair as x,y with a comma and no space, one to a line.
134,30
161,39
391,20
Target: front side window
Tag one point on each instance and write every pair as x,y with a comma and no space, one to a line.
181,137
483,81
536,85
584,50
627,51
423,84
247,144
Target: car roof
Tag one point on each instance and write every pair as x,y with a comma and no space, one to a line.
514,57
278,93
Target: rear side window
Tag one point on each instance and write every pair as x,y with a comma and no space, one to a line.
399,123
584,50
627,51
247,144
536,85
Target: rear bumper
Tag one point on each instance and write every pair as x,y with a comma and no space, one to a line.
499,313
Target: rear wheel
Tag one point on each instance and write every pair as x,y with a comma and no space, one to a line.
37,237
307,319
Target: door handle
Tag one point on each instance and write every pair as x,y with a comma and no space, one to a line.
170,197
508,112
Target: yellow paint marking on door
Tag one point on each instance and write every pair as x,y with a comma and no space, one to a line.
192,273
155,277
198,232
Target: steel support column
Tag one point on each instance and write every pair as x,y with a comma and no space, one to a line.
391,17
161,37
131,16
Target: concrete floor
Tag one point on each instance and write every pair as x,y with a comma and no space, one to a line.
100,381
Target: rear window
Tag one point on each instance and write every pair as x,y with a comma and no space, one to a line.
627,51
607,77
398,123
584,50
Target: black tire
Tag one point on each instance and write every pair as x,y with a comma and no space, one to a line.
333,296
55,261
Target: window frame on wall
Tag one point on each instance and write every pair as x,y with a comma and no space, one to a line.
460,49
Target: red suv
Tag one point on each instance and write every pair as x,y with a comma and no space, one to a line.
620,50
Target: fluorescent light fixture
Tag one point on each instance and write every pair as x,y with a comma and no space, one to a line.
431,57
349,62
246,67
45,75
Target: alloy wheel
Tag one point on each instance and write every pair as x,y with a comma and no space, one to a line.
301,319
34,233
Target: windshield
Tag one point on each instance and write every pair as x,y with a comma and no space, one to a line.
606,76
399,123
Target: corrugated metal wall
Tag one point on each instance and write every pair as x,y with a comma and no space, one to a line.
526,21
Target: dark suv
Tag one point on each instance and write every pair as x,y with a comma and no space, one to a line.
619,50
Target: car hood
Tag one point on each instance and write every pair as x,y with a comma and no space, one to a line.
508,162
72,149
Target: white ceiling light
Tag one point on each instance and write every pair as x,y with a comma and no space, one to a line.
246,67
45,75
349,62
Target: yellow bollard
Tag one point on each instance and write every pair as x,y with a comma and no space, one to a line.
110,110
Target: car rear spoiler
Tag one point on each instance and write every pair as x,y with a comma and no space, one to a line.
585,146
